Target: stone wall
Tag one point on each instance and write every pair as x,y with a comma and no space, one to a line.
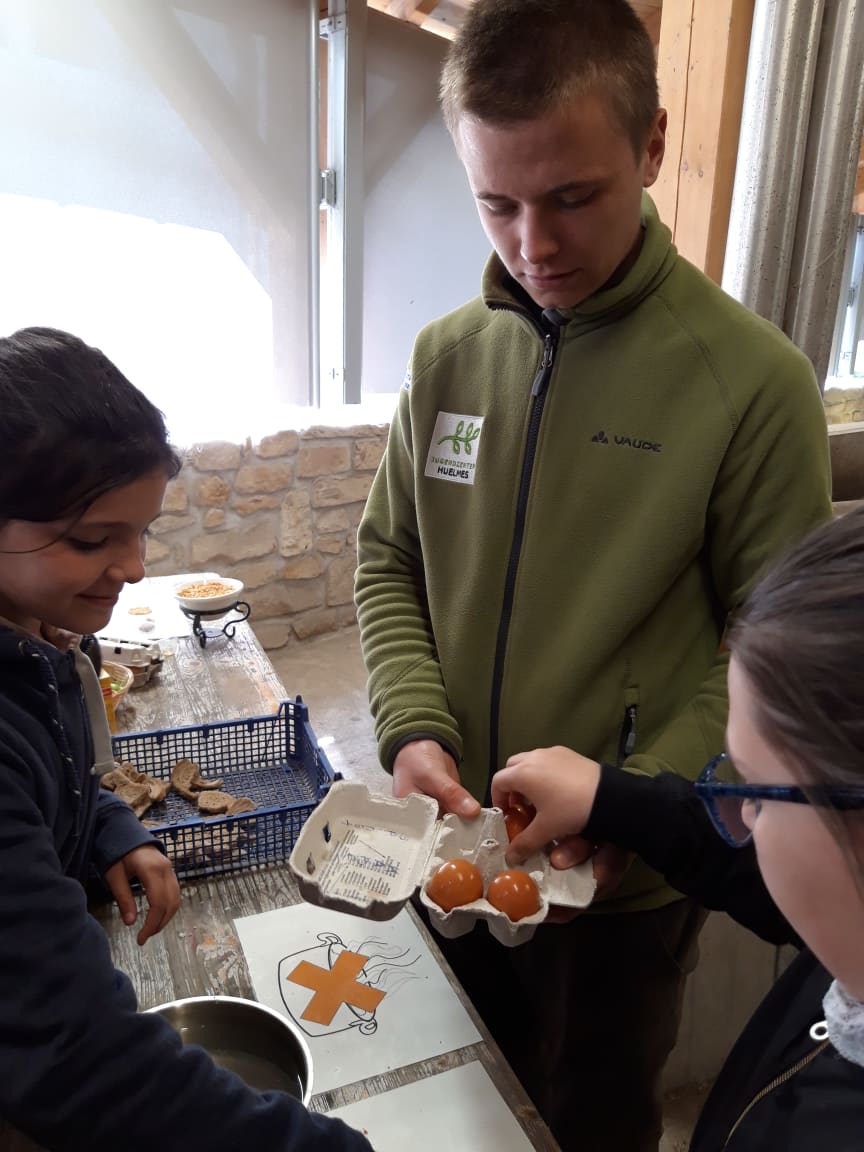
844,405
281,515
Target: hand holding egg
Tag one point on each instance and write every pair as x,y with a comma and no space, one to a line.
561,785
517,815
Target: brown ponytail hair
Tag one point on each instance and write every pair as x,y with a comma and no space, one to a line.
799,640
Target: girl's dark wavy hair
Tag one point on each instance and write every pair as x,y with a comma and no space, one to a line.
72,427
799,640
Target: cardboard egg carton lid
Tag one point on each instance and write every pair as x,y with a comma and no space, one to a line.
366,854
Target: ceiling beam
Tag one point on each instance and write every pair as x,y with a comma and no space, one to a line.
649,12
444,17
414,10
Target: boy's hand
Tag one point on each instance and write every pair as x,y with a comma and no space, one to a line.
156,874
423,766
610,863
561,785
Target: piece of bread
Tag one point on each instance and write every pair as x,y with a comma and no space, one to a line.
158,789
200,782
182,775
121,774
214,803
137,796
241,804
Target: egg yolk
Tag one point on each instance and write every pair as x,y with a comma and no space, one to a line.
515,894
455,883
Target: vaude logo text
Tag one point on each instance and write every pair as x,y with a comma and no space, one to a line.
627,442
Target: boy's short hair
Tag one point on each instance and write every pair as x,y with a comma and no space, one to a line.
514,60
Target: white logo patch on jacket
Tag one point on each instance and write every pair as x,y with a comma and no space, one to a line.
454,448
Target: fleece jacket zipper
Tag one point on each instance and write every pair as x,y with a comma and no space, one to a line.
776,1083
551,333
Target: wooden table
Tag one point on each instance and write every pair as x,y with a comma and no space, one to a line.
227,680
199,952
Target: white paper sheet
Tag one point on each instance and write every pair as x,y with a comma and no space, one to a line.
459,1110
164,619
406,1009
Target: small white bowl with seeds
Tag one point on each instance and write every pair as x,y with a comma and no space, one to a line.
208,594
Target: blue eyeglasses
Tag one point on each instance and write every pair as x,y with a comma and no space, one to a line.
724,795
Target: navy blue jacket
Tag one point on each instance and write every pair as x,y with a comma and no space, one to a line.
80,1068
779,1089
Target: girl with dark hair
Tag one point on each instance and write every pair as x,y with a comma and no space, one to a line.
86,460
787,800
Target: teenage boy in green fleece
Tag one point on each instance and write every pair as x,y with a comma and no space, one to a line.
590,464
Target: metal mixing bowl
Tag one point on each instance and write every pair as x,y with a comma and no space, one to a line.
262,1047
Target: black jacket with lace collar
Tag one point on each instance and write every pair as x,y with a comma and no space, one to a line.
80,1068
781,1089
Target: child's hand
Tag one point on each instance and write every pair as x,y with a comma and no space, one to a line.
560,784
156,874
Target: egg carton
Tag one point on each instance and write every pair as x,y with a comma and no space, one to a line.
366,855
142,658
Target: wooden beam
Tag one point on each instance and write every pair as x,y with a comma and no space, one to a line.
702,67
673,71
422,12
649,12
443,17
414,10
858,201
440,28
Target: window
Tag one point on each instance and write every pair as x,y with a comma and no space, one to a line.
157,194
160,197
846,369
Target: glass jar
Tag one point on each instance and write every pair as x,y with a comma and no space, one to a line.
108,699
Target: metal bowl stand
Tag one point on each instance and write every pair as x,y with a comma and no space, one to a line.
203,635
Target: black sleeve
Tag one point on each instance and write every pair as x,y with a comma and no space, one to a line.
81,1070
662,819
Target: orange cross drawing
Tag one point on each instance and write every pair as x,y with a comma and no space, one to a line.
335,986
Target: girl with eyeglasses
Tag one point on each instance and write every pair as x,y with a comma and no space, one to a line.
772,833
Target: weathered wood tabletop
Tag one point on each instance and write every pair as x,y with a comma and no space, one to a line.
227,680
199,952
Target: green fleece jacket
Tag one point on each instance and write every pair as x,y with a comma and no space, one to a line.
568,508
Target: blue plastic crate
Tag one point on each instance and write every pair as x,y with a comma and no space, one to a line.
274,760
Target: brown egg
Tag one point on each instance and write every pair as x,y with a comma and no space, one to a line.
455,883
515,894
517,817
